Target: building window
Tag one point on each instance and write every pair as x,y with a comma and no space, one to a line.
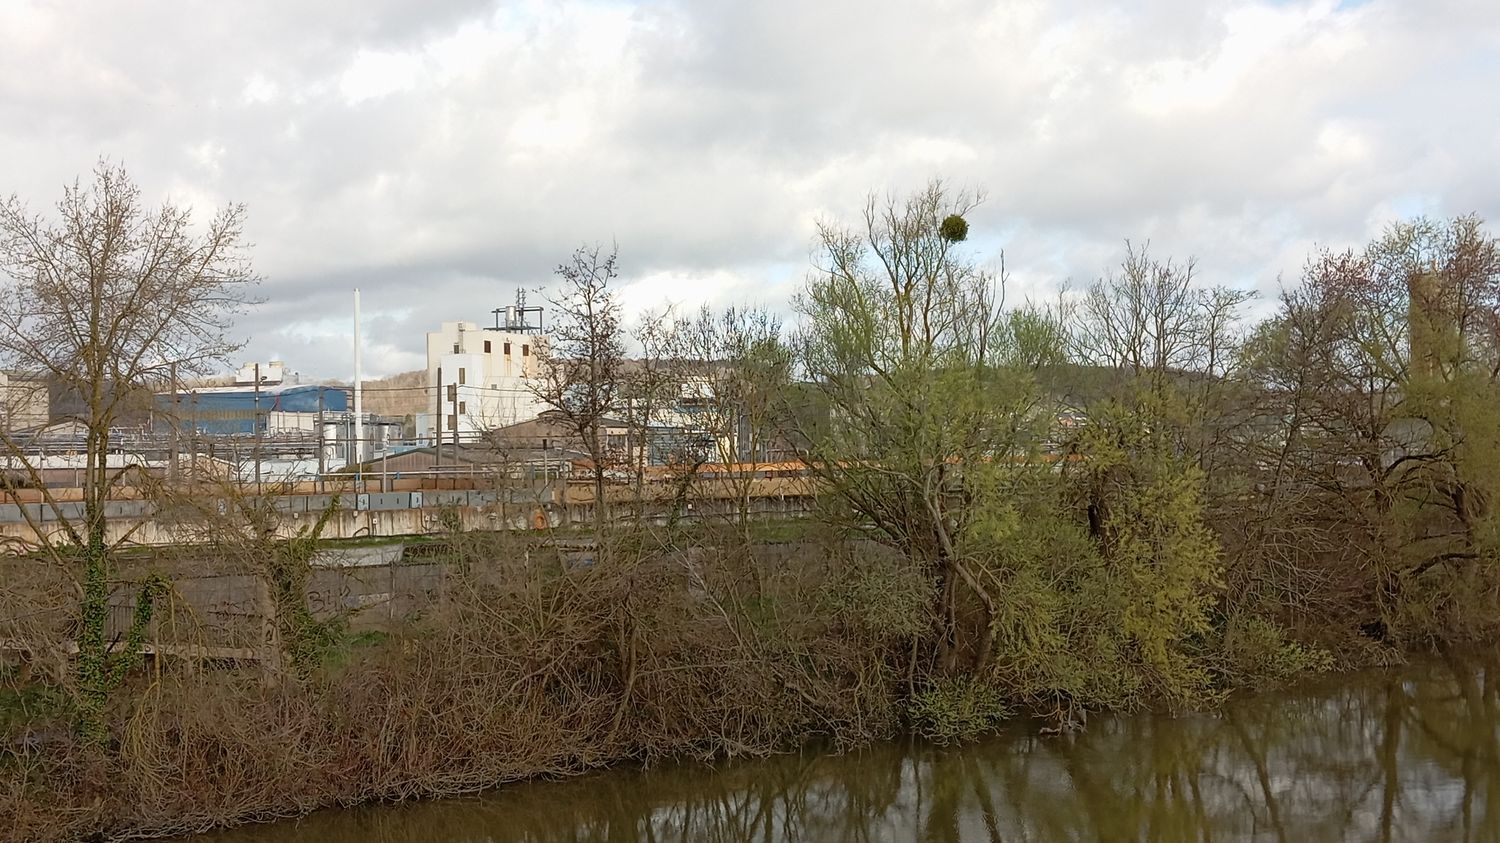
486,346
507,348
455,348
525,349
452,422
463,408
461,375
452,392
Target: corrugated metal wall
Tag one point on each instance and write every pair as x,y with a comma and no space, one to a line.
229,413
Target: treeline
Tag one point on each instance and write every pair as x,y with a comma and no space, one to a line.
1133,493
1127,496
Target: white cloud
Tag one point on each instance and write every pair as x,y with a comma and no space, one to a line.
259,88
376,73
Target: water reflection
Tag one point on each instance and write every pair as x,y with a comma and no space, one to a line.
1406,755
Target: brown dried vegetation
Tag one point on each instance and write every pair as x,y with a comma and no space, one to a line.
525,666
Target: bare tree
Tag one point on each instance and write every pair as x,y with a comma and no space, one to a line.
1381,372
581,367
651,384
1158,333
737,366
104,299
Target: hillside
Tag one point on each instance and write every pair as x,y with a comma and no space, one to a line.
401,394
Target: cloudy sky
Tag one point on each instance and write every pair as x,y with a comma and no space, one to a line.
442,154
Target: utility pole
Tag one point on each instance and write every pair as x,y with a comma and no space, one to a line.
175,422
322,456
256,428
437,424
359,419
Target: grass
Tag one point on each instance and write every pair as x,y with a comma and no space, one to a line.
26,704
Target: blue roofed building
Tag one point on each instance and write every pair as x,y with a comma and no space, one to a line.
244,411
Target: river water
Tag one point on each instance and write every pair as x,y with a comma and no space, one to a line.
1412,753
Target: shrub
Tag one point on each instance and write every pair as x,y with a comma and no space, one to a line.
956,709
882,597
1256,651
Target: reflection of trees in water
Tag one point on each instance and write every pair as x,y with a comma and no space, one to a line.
1412,756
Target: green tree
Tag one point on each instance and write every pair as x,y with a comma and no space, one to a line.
1163,343
926,384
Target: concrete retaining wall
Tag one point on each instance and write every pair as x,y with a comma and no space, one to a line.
371,515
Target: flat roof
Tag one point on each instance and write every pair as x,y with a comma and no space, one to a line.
249,389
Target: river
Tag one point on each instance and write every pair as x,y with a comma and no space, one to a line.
1404,754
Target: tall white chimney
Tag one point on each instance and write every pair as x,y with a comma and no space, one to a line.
359,417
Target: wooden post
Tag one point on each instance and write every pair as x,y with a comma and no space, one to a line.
270,633
193,441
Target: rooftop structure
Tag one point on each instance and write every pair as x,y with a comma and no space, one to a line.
268,374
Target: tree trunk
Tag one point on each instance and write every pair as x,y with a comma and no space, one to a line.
947,622
597,454
93,649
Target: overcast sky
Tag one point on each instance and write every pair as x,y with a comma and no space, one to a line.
442,154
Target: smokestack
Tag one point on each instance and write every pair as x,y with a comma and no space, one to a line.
359,420
1422,324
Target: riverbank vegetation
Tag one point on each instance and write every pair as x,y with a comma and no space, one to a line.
1128,496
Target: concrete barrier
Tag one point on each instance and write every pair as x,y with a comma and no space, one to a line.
391,514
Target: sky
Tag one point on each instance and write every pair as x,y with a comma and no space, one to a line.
443,155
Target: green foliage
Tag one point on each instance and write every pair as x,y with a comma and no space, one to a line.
1078,621
29,705
305,640
1092,583
956,709
954,228
101,670
881,598
1041,561
336,646
450,520
923,375
1257,654
1162,562
1384,361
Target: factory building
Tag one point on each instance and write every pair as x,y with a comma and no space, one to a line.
481,376
245,411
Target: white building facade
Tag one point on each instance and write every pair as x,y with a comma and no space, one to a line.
482,377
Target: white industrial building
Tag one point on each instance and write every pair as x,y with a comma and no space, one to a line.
482,375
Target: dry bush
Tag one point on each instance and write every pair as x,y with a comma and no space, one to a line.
38,610
532,663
